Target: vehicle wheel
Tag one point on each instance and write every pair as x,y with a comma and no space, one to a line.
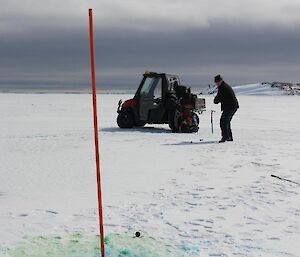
171,116
174,120
140,124
177,124
125,120
196,122
197,118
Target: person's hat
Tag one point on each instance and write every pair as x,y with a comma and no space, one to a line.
218,78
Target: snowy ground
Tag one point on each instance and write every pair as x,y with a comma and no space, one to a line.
204,198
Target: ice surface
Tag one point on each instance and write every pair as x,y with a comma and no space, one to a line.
200,199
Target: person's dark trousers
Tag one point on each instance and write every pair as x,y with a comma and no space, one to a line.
225,120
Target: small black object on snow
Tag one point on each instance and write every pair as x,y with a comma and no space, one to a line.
288,180
137,234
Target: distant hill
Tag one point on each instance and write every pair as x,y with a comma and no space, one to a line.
266,88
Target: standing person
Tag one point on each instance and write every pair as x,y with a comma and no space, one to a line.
229,106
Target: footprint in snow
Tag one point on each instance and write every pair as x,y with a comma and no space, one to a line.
23,215
51,212
274,238
237,166
259,164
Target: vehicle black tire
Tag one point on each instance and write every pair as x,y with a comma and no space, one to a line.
125,120
177,124
171,116
197,118
174,121
195,128
140,124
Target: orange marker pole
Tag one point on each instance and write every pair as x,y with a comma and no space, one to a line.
97,151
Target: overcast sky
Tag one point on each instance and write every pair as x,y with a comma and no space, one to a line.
46,43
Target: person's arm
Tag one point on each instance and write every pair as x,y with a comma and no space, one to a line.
217,98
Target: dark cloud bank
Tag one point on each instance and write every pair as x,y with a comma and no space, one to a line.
60,58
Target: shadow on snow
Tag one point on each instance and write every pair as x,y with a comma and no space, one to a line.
195,143
136,129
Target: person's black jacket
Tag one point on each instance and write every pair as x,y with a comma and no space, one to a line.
226,97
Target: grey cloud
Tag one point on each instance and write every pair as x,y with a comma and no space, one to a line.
48,54
164,15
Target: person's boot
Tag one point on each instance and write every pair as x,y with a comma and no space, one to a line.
229,139
222,140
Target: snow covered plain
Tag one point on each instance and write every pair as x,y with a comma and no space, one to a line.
199,199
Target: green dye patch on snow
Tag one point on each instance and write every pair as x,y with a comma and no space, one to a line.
78,245
73,246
